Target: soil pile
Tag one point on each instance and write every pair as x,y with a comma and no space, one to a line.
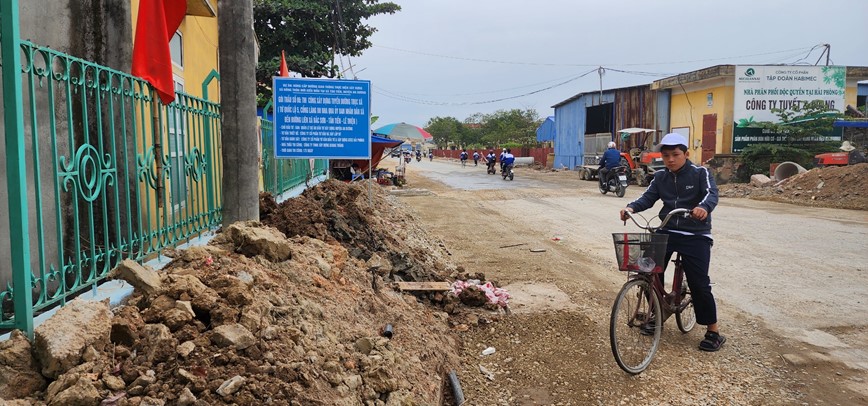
844,187
367,222
257,318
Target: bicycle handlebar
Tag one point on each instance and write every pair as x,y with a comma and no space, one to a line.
677,212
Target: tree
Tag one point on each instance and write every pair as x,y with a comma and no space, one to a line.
311,32
511,126
444,130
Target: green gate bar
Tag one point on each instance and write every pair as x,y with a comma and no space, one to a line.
15,168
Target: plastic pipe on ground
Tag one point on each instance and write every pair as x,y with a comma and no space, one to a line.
457,393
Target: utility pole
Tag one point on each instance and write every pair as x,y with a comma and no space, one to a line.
238,100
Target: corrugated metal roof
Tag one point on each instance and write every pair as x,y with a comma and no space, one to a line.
577,96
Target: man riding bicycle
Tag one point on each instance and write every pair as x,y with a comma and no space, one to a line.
685,185
611,159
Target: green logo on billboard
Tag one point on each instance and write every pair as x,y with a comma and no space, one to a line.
749,72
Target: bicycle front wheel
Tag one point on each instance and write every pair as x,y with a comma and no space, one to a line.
685,317
635,326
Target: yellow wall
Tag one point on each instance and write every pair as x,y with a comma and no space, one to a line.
687,109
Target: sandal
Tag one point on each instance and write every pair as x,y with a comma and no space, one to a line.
712,342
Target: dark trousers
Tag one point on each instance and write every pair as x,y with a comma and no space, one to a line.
695,253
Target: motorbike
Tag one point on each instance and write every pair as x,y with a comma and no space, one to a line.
616,183
407,159
491,170
507,172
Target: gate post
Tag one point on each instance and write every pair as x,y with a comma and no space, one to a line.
209,150
16,171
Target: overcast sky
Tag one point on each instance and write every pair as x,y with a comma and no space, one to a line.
456,57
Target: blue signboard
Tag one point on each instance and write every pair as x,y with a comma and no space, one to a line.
322,118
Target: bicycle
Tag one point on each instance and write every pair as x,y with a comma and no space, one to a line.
636,324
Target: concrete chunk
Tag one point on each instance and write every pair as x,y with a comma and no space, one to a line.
760,180
62,339
143,279
234,335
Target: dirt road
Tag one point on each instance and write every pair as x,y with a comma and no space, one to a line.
790,282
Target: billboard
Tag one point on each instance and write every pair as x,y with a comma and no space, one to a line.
322,118
760,89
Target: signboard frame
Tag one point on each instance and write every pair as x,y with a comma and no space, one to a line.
322,118
760,88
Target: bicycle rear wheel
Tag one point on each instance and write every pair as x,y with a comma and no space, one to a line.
635,326
685,318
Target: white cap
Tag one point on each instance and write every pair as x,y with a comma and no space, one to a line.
673,139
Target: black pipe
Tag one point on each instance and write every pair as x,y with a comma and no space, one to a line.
387,331
457,393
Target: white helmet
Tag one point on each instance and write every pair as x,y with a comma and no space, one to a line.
611,144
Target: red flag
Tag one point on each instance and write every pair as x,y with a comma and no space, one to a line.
284,71
156,24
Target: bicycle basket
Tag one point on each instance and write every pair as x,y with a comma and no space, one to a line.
640,252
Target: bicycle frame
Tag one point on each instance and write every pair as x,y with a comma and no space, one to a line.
671,301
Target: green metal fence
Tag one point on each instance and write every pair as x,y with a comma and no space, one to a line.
97,171
280,175
109,173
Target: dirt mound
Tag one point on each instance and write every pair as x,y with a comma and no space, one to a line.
844,187
257,318
367,222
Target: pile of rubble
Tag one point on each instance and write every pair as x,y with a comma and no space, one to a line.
258,318
843,187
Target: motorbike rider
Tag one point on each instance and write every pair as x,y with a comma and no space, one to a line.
475,158
463,156
611,159
490,159
508,160
418,155
430,156
502,153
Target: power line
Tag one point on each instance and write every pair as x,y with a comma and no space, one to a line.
396,96
585,65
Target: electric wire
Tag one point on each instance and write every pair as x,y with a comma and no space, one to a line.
584,65
396,96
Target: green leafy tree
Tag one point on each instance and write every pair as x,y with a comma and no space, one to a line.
311,32
445,130
511,126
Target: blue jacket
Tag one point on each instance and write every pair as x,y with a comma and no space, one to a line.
690,187
611,158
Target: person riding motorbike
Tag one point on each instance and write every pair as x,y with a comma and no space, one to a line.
418,155
508,160
430,156
475,158
463,156
611,159
490,161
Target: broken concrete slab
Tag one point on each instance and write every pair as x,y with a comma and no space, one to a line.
62,339
143,279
